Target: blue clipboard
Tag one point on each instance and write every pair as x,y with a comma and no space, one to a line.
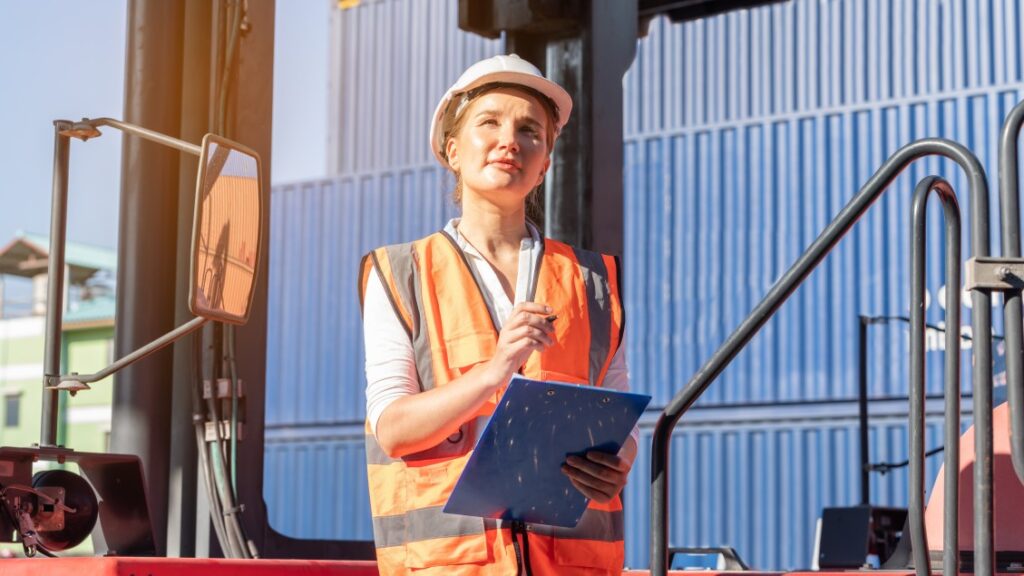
515,472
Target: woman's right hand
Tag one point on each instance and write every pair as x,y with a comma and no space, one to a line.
526,331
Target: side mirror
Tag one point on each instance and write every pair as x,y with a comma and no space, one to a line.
227,244
226,231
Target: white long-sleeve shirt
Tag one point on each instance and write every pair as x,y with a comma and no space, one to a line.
390,362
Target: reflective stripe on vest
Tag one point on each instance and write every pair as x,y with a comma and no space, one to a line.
452,327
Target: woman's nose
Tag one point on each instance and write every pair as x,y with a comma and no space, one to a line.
507,138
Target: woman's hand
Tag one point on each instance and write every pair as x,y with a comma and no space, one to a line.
598,475
526,331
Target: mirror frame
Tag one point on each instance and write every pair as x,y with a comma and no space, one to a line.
196,224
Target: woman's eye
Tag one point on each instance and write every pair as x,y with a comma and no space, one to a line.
529,130
489,122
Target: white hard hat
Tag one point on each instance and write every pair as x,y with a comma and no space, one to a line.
509,69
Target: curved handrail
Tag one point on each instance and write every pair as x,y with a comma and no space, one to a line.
918,536
1009,186
981,322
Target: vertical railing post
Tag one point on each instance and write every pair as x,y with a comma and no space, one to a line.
918,536
1009,210
55,282
862,410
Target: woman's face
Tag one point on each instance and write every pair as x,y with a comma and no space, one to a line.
501,152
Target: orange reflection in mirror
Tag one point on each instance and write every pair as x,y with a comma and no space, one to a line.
227,235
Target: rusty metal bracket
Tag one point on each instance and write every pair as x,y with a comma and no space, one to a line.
994,273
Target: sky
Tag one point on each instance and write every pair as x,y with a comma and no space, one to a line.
64,59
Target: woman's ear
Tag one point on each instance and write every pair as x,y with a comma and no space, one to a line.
451,151
540,179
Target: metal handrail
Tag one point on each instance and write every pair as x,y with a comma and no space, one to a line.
790,281
1009,185
915,512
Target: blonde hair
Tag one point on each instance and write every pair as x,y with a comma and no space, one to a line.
455,119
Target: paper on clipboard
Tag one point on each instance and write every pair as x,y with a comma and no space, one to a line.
515,473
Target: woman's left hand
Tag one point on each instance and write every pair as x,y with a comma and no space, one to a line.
599,476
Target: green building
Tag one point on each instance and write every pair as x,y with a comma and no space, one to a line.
88,335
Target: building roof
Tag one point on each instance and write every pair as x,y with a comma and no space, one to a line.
91,313
26,255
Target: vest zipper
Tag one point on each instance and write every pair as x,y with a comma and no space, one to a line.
522,554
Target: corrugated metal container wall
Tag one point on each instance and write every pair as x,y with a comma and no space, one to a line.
320,232
316,484
745,134
716,214
391,62
315,379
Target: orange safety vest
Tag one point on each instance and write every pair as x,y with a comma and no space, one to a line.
438,299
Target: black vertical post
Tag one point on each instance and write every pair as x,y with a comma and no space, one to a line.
147,245
584,202
568,180
195,122
611,38
862,406
250,102
533,49
530,47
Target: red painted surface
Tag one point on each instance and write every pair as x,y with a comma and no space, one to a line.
1008,492
713,573
182,566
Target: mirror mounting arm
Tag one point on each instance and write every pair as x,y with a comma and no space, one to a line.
87,128
75,382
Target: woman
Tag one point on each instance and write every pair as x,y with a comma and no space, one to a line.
450,318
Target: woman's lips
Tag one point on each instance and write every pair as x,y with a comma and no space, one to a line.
509,165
